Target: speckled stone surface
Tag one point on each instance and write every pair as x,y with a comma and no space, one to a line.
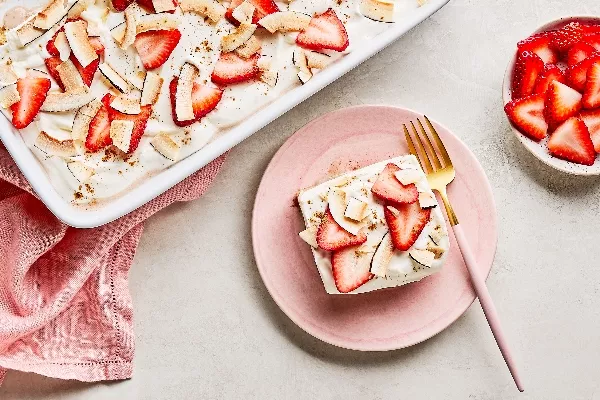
207,329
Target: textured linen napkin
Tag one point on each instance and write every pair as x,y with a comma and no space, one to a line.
65,308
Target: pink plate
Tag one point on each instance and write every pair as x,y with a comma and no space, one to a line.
381,320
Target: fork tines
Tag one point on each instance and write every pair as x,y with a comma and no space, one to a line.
425,151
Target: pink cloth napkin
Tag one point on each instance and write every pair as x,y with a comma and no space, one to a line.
65,308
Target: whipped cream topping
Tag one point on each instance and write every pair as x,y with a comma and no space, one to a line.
200,46
357,184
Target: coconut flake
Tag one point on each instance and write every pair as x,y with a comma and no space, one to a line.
50,15
79,7
310,236
79,42
7,75
80,171
62,45
317,60
244,12
114,78
69,76
356,209
165,146
161,6
152,85
383,256
377,10
155,22
132,13
408,176
53,147
436,250
183,99
285,21
118,32
9,95
427,200
423,257
126,105
240,36
248,49
437,235
56,102
337,206
83,117
207,8
27,33
304,76
120,133
268,73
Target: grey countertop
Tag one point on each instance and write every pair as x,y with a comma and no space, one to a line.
207,328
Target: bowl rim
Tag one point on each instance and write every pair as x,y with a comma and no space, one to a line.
556,163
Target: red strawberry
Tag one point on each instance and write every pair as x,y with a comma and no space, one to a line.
577,74
550,73
230,68
527,114
526,72
564,38
331,236
579,52
204,100
87,73
540,44
591,95
262,9
406,221
591,29
562,103
592,121
98,136
387,187
155,47
351,269
149,6
140,120
571,141
50,46
121,5
325,31
33,93
51,64
593,40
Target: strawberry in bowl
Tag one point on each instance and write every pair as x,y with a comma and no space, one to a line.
551,94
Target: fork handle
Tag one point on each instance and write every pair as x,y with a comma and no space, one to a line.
486,303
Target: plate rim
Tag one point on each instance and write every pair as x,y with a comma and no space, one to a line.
463,302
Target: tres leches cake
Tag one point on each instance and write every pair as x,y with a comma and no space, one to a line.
377,227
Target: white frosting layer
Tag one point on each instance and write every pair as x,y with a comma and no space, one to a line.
402,269
199,45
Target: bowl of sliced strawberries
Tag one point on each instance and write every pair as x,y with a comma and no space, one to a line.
551,94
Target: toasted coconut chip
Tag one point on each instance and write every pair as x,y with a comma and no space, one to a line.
93,29
79,7
244,12
310,236
82,120
114,78
62,45
131,16
383,256
408,176
251,47
437,235
304,76
356,209
285,21
163,5
421,2
155,22
317,60
50,15
9,95
240,36
53,147
118,32
152,86
436,250
183,99
337,206
268,74
69,76
207,8
36,73
79,42
120,133
27,33
56,102
423,257
377,10
7,75
427,200
163,144
127,105
299,59
80,171
137,79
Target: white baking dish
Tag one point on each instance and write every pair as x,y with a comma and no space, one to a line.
79,217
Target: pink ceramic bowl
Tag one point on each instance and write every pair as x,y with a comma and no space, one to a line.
539,149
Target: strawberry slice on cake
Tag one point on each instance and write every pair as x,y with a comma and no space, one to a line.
387,187
32,93
325,32
204,99
331,236
231,68
406,222
155,47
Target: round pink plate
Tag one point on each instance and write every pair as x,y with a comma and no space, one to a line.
382,320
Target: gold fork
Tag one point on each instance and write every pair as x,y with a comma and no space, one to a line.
440,172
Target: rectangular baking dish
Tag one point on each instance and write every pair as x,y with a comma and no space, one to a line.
78,217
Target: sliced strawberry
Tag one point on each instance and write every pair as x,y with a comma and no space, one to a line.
331,236
589,29
526,72
139,121
577,74
527,114
262,9
351,269
51,64
550,73
87,73
406,221
592,121
204,100
387,187
121,5
231,68
579,52
591,95
33,93
155,47
149,6
325,31
593,40
50,46
562,103
540,44
567,36
571,141
98,136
